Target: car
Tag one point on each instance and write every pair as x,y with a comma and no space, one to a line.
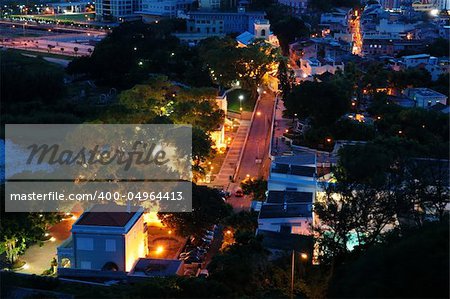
239,193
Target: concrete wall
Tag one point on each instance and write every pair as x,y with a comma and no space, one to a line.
98,256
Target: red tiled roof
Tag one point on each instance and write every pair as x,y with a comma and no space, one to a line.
100,215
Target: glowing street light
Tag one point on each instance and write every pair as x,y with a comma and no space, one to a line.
241,98
304,257
159,250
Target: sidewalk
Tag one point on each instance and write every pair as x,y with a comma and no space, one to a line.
229,164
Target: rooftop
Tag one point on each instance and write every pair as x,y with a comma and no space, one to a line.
425,92
281,241
106,215
289,197
297,210
155,267
417,56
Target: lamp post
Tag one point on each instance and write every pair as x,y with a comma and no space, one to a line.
303,257
241,97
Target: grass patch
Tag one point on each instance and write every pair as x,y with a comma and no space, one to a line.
248,103
41,54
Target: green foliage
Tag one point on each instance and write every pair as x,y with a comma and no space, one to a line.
323,102
439,48
287,29
27,79
244,221
208,209
242,267
228,63
255,187
132,47
414,265
346,129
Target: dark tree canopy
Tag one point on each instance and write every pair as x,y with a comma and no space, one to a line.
412,266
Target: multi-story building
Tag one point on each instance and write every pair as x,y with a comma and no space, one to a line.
164,8
104,239
209,4
231,22
117,10
375,45
295,6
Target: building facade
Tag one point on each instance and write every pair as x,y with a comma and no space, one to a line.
103,242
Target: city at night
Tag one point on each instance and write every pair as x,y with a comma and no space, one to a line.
224,149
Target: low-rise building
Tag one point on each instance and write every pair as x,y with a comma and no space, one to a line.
293,173
313,66
105,239
425,97
287,212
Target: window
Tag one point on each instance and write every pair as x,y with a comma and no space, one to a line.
85,265
85,244
110,245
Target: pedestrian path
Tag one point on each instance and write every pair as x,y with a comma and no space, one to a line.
235,151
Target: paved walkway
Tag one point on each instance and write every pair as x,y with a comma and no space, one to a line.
38,258
229,164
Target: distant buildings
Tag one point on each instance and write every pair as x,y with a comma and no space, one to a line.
295,6
164,8
425,97
117,10
314,66
435,66
223,22
261,30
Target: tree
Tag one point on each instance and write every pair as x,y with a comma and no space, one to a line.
288,29
403,266
242,267
75,49
439,47
256,188
244,221
323,102
13,247
285,77
208,209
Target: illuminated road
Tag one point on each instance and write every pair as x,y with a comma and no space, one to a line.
355,29
255,160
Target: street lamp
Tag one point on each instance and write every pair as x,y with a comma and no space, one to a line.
304,257
241,97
